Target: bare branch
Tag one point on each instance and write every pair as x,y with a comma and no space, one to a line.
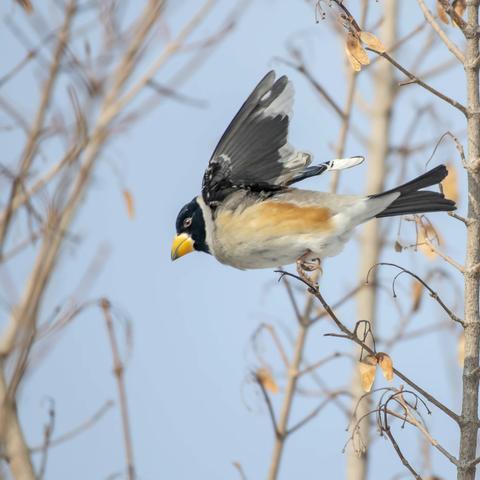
438,30
414,79
433,293
32,142
271,411
351,336
118,370
83,427
47,432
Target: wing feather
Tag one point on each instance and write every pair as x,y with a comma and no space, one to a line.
254,154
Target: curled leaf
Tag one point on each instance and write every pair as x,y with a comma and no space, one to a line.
442,14
26,5
428,232
397,246
366,368
129,203
371,41
460,6
450,184
417,290
386,364
356,65
265,377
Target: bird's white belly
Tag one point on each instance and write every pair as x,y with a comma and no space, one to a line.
283,250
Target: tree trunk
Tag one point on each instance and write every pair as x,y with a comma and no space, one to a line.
469,416
370,244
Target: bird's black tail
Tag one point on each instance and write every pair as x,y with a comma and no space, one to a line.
414,200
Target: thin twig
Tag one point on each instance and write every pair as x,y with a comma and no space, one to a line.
79,429
433,293
118,370
268,402
32,142
426,86
239,469
400,454
47,442
438,30
425,432
309,417
351,336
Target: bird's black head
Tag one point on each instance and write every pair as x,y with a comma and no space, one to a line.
191,231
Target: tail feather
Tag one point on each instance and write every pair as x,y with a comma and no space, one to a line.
413,200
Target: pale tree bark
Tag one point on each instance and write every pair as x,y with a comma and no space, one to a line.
469,422
370,243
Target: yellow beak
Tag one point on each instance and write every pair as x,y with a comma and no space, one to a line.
182,244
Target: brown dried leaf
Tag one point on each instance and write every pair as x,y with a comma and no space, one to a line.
355,48
356,65
371,41
26,5
417,290
442,14
386,364
429,232
129,203
461,349
450,184
265,377
460,6
366,368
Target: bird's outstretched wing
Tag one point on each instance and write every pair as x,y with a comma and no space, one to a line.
254,153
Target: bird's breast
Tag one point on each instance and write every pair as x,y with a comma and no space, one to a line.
269,233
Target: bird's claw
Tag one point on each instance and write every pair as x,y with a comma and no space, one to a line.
310,265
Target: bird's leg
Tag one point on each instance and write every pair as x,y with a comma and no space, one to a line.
307,264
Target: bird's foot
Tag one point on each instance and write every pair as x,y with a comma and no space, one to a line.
307,264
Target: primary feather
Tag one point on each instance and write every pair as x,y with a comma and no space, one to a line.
254,153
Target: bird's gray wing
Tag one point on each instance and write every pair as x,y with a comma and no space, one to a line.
254,153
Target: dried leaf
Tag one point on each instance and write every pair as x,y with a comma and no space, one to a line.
461,349
129,203
450,184
429,232
356,55
398,246
442,14
460,6
26,5
371,41
417,290
386,364
355,49
366,368
356,65
265,377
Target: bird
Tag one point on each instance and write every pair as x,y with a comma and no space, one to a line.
249,216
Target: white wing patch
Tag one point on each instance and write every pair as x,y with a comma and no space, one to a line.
342,163
282,105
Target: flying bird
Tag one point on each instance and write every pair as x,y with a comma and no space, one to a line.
249,216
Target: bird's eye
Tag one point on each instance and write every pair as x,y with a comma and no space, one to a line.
187,222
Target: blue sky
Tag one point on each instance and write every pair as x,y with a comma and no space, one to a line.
193,411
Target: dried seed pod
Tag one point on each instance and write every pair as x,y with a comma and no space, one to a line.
371,41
